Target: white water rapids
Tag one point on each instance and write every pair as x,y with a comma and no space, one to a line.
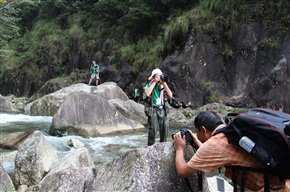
102,149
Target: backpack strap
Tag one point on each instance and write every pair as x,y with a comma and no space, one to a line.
230,122
230,116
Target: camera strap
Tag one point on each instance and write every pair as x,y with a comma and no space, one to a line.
188,184
199,181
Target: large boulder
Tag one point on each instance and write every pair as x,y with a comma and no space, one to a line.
185,116
34,159
8,156
144,169
130,109
49,104
149,168
13,140
65,180
89,115
6,105
71,173
50,86
5,181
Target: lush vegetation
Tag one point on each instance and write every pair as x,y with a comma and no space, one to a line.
41,39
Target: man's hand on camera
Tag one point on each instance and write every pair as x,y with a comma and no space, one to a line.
179,142
196,143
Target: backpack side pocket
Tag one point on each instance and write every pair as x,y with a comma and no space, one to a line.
148,107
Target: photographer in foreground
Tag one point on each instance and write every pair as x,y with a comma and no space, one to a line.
155,108
214,151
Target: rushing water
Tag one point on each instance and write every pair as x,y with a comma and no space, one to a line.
102,149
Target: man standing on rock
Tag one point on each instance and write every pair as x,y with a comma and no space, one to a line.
156,106
94,71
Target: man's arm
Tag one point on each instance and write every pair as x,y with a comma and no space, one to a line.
150,89
168,91
183,170
91,69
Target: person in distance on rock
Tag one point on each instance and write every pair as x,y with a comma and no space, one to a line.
94,71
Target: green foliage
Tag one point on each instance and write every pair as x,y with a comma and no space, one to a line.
213,97
204,21
211,13
39,37
139,16
9,28
269,43
177,29
230,14
133,16
187,114
208,84
228,52
142,54
127,52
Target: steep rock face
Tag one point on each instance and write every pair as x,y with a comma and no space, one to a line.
241,71
202,72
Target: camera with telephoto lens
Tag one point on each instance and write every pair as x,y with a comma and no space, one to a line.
164,78
188,137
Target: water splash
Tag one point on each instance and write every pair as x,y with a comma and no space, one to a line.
7,119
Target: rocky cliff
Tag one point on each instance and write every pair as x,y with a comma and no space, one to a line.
250,69
252,75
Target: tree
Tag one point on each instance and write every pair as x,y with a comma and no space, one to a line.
8,25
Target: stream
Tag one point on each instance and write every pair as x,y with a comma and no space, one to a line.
102,149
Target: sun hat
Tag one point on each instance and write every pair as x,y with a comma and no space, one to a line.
155,71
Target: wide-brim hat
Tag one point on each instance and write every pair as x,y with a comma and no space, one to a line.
155,71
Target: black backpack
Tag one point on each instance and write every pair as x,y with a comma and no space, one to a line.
265,134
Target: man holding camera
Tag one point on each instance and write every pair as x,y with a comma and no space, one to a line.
214,151
156,112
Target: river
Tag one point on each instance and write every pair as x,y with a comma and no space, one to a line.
102,149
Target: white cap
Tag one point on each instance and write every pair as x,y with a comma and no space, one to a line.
155,71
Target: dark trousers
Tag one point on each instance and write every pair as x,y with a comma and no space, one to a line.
158,121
